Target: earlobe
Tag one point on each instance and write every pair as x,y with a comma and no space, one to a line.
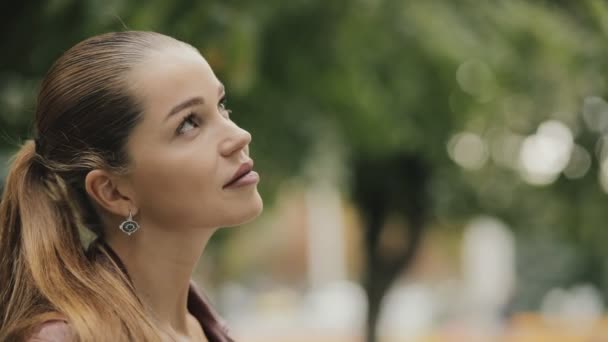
102,187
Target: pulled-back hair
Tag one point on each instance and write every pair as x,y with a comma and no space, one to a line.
85,113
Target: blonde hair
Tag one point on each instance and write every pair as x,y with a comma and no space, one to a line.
84,116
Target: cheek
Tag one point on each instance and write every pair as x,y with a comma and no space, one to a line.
177,190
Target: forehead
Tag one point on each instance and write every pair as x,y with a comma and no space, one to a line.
170,76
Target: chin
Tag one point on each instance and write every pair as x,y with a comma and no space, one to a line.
247,214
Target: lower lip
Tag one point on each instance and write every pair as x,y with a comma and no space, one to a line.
251,178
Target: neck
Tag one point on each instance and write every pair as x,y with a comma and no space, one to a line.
160,264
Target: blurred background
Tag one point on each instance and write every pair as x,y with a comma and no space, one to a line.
431,170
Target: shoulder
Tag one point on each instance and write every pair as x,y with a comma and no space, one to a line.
200,307
53,330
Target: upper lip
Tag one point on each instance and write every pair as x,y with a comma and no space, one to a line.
244,169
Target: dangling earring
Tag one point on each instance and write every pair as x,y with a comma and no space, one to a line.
129,226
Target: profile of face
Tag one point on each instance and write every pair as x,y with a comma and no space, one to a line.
186,151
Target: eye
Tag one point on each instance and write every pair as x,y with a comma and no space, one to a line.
188,123
222,107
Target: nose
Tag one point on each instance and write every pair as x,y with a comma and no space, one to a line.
238,139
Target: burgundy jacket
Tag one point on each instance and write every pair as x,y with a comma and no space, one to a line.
58,330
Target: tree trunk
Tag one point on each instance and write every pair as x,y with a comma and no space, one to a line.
382,187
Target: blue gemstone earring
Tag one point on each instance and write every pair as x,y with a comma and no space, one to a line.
129,226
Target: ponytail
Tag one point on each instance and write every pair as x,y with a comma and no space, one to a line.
44,270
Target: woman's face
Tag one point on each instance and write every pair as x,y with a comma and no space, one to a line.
187,148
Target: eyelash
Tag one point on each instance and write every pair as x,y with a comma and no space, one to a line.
190,117
223,107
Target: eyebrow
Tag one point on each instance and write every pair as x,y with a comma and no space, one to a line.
198,100
188,103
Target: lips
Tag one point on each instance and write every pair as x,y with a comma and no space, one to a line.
242,171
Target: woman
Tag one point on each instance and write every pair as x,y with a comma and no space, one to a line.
133,142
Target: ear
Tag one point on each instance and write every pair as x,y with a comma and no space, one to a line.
109,193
